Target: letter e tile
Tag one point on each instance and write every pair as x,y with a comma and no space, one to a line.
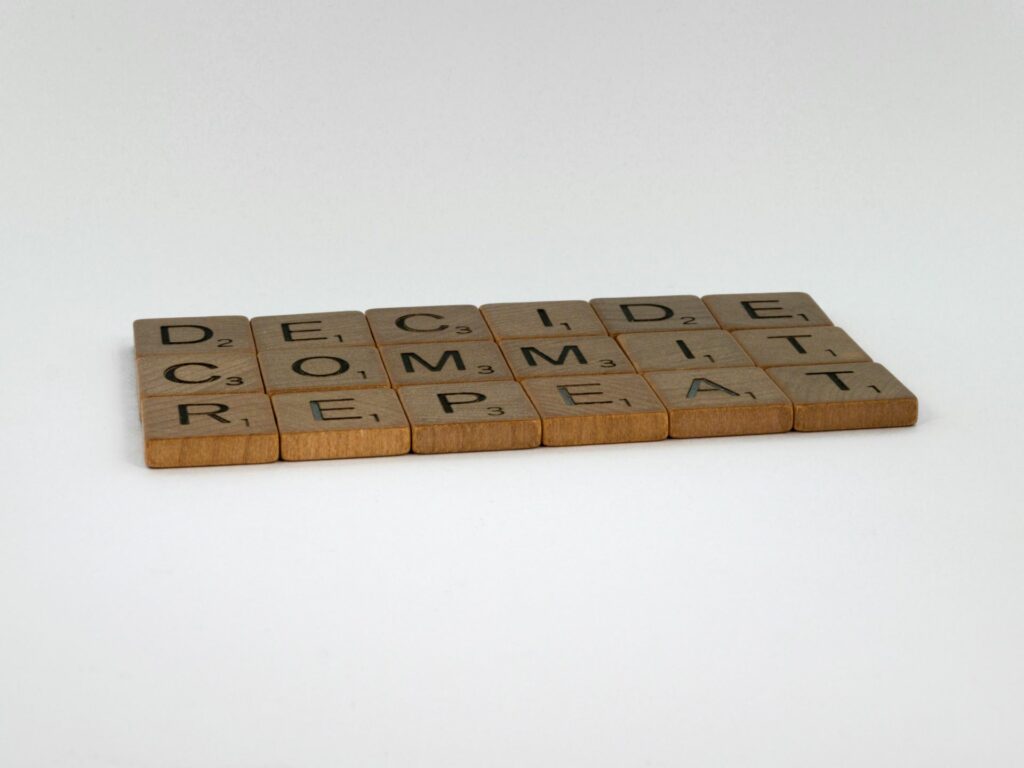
765,310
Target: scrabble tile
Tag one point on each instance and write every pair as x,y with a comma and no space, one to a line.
177,335
474,416
207,430
444,362
584,410
712,402
313,330
645,314
341,424
567,356
800,346
765,310
845,396
419,325
286,370
194,373
682,350
537,319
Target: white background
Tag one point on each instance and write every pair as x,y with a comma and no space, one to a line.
851,599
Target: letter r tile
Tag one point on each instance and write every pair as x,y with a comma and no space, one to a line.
191,335
653,313
765,310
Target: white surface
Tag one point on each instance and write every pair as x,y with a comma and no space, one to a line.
793,600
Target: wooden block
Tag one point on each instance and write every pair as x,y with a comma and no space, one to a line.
712,402
765,310
341,425
314,330
195,373
645,314
568,356
845,396
536,319
419,325
190,335
682,350
286,370
585,410
800,346
477,416
203,430
444,362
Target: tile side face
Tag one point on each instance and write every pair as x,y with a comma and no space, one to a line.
420,325
846,396
192,335
539,319
800,346
313,330
735,311
646,314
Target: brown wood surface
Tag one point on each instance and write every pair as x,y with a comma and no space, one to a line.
585,410
537,319
566,356
474,416
646,314
192,373
714,402
314,329
286,370
800,346
444,362
846,396
337,424
207,430
189,335
420,325
682,350
765,310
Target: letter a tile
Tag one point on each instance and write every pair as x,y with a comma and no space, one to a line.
712,402
472,416
209,430
846,396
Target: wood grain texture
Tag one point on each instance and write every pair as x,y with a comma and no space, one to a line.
647,314
846,396
341,424
311,330
477,416
538,319
420,325
714,402
800,346
190,335
587,410
566,356
200,431
286,370
444,362
194,373
682,350
765,310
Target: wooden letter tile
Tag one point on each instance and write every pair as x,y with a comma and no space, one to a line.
846,396
341,424
418,325
203,431
475,416
713,402
190,335
765,310
314,330
653,313
193,373
286,370
570,356
542,318
682,350
444,362
584,410
800,346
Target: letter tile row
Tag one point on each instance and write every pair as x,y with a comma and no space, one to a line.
438,379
